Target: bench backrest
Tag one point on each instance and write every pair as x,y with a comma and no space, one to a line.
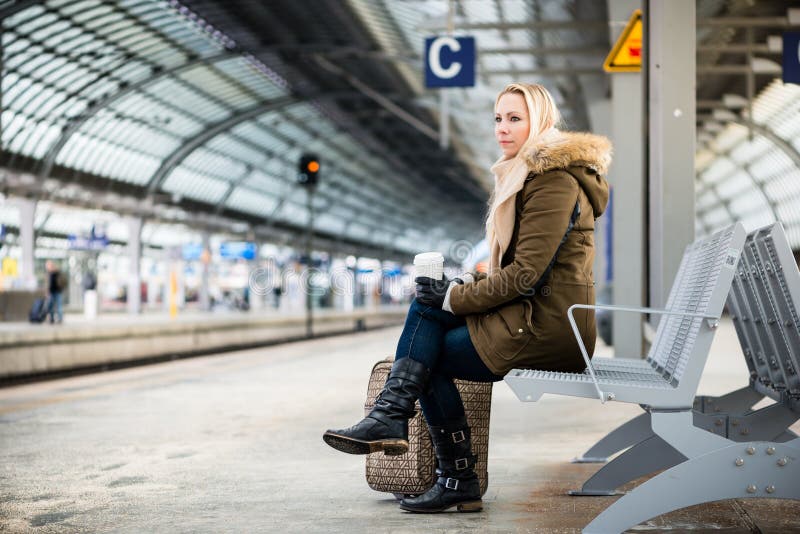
681,344
763,305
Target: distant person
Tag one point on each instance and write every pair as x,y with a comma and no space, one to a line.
56,285
276,296
549,189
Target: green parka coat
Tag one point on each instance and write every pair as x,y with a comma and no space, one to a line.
509,329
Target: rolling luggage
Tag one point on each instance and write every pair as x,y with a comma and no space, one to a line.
414,472
38,311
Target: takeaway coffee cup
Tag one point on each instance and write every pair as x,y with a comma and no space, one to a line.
430,264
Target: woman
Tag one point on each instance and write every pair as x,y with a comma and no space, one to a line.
549,189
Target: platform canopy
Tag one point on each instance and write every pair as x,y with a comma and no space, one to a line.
749,169
148,108
195,112
748,120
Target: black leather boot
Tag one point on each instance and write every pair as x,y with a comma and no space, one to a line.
457,485
386,427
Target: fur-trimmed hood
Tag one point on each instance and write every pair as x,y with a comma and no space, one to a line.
586,156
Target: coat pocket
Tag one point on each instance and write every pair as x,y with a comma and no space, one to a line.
528,310
511,329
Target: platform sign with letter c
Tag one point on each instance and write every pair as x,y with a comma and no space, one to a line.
449,61
791,57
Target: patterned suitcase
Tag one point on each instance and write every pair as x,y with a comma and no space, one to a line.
414,472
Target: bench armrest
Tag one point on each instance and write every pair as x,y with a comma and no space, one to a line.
604,396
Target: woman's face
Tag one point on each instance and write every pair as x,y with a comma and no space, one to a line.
511,123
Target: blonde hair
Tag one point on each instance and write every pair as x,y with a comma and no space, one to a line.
543,112
543,116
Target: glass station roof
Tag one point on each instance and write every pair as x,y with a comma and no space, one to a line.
144,93
144,100
749,171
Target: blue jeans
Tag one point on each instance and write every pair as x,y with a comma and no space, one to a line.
440,340
56,306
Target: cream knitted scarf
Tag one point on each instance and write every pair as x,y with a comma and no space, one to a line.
509,178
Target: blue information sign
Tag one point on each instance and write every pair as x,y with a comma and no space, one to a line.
449,61
238,250
95,240
791,57
192,251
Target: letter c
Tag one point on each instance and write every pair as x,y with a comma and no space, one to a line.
435,59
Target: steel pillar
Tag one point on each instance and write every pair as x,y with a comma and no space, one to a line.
134,260
670,36
628,183
204,296
27,214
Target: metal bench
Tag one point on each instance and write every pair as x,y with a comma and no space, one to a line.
731,415
665,383
638,429
763,305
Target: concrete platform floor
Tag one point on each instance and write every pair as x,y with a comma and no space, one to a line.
232,443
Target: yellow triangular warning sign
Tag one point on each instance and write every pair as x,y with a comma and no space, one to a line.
626,56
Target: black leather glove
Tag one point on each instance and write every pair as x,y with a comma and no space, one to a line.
432,292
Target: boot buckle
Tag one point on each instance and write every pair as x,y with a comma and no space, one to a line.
451,483
461,464
459,436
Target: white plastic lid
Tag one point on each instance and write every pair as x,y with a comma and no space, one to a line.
426,258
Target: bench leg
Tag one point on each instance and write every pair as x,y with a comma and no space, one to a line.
644,458
638,428
739,401
726,473
762,424
622,437
783,437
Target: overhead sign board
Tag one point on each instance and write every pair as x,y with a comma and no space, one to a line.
791,57
96,239
192,251
449,61
626,56
84,242
238,250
